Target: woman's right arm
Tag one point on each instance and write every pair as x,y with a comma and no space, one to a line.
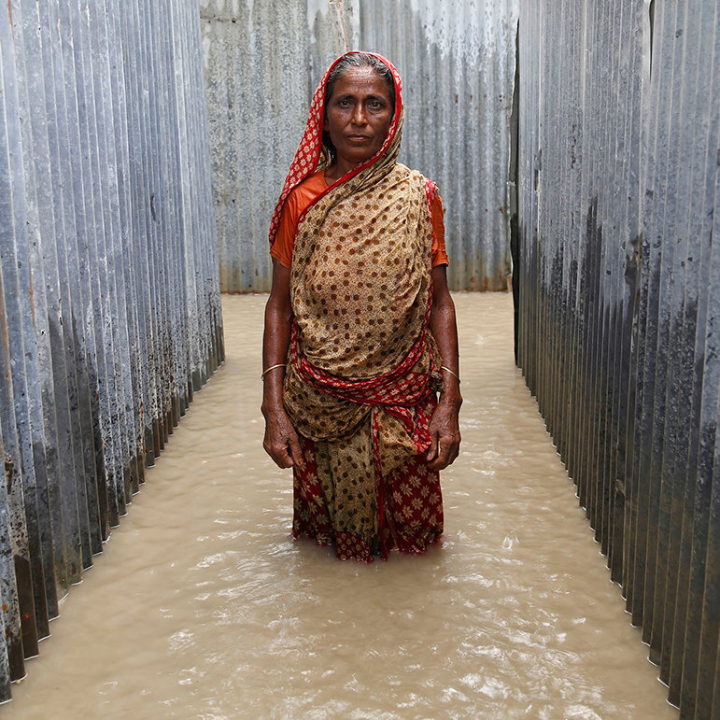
281,441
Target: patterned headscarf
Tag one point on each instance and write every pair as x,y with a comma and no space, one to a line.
308,157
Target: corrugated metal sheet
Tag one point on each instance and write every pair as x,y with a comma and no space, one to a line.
256,70
457,59
109,291
620,300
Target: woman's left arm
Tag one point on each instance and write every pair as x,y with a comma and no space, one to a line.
444,425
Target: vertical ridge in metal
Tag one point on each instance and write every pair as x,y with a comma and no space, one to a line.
619,272
109,290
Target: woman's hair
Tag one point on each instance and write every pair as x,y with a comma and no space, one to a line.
356,59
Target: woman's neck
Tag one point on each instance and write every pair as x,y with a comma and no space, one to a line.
335,171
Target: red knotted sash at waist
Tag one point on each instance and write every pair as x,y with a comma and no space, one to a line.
396,392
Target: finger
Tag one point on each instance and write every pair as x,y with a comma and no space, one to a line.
295,451
282,458
438,463
444,452
454,455
279,453
433,449
448,451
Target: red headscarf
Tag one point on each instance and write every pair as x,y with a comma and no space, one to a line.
307,157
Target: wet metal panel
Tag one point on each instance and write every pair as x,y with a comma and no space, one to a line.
619,296
457,59
109,290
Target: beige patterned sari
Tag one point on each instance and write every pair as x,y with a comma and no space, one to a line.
362,374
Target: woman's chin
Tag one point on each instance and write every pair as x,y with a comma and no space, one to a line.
353,159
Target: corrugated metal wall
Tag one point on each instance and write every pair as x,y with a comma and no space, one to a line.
109,291
620,299
457,59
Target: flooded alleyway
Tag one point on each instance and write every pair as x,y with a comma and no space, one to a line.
202,606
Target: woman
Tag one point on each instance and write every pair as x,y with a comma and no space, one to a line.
360,330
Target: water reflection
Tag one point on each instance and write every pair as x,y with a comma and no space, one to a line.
203,606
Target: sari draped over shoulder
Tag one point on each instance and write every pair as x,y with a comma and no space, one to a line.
362,375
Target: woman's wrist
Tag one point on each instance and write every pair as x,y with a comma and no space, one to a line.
271,369
453,373
272,407
450,394
272,402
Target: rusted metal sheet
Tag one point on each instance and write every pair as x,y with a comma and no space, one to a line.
457,59
619,298
109,289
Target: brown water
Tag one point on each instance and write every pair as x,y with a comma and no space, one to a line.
202,606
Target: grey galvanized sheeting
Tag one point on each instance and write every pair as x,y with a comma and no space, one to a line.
457,59
619,300
109,290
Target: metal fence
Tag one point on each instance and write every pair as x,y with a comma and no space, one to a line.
457,60
620,299
109,291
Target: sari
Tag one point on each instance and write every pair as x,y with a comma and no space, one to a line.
362,374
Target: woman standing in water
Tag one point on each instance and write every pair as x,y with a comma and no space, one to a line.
360,332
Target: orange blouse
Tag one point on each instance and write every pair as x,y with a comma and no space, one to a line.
308,190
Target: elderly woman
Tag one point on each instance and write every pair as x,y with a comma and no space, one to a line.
360,332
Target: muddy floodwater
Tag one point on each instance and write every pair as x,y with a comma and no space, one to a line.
202,606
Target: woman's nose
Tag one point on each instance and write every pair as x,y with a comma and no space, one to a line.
358,116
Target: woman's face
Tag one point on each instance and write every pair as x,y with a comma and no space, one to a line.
358,115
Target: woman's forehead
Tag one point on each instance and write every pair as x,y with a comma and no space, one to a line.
361,80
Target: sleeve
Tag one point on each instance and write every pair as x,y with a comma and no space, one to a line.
282,248
437,214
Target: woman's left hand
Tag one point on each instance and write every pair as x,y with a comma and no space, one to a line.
444,434
444,425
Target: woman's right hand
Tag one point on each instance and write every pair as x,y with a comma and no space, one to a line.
281,441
